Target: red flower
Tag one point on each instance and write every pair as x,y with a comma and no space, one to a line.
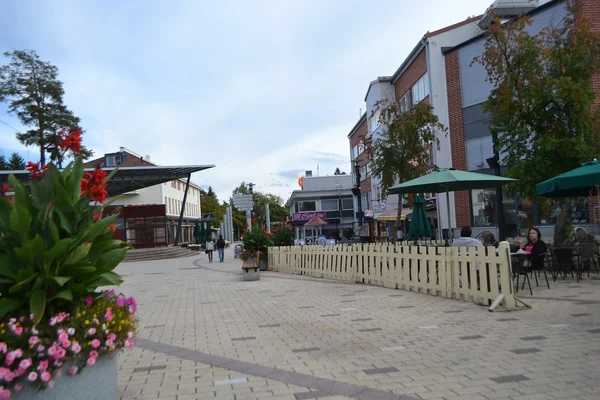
5,188
71,141
253,220
112,228
94,187
34,169
269,234
96,217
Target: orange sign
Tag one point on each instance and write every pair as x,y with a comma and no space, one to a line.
300,181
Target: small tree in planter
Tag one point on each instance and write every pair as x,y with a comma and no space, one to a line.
257,241
56,250
283,235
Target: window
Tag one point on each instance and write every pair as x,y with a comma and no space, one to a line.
374,121
307,206
406,102
113,160
420,90
348,204
329,205
377,193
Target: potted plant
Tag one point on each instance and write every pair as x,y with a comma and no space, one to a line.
257,241
58,332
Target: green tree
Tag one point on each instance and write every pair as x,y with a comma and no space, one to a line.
210,204
542,101
3,163
338,172
16,162
210,192
402,151
34,94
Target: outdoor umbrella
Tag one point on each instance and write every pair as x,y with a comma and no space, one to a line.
449,180
419,225
197,232
576,183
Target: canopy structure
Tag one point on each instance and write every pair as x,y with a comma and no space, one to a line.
392,215
128,179
316,221
578,182
449,180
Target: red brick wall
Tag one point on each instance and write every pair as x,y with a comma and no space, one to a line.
365,186
457,136
591,10
412,74
361,131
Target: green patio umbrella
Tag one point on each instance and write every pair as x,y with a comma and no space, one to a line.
449,180
576,183
197,232
419,225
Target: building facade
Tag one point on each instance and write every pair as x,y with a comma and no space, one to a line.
472,143
330,198
169,194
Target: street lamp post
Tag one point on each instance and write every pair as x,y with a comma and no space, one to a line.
356,192
494,162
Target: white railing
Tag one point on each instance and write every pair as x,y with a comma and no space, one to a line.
477,274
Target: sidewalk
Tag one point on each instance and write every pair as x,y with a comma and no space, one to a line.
206,334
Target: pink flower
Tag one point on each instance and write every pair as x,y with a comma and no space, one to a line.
34,331
76,348
3,372
91,361
31,317
12,321
52,351
91,331
110,343
130,335
41,348
18,330
7,375
18,353
34,340
32,376
45,376
5,394
60,353
112,336
10,358
89,301
3,348
21,319
110,293
62,336
24,364
93,354
19,387
73,370
129,343
120,302
66,344
71,331
108,315
20,371
95,343
43,365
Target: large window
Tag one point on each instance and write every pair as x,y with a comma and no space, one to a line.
579,211
348,204
405,102
329,205
420,90
307,206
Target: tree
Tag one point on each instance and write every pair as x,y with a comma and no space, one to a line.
338,172
210,192
16,162
542,102
402,152
34,94
210,204
3,163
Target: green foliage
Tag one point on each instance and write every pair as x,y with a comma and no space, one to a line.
34,94
210,204
338,172
257,240
16,162
3,163
52,253
541,105
283,235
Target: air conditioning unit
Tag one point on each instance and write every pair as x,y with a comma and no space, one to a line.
506,9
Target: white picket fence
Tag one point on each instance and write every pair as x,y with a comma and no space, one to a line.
476,274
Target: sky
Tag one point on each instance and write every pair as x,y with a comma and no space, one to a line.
265,90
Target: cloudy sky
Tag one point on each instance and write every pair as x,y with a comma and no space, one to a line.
263,89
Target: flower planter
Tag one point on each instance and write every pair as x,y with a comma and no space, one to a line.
98,382
264,263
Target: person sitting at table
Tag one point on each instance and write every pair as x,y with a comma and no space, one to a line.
534,248
466,240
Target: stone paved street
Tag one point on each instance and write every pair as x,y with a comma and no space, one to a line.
206,334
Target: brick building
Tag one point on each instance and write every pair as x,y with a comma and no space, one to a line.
472,143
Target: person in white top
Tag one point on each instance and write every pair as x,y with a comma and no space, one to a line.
466,240
210,247
400,235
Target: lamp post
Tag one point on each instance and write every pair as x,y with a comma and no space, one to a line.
494,162
356,192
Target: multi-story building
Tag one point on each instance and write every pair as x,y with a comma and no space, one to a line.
328,197
471,141
421,77
169,194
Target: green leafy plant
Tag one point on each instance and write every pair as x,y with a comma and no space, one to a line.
283,235
257,240
55,249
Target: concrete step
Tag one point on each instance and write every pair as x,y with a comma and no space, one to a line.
158,253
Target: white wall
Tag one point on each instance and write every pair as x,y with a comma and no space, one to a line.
439,100
161,194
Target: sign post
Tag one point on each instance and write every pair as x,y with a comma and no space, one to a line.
244,202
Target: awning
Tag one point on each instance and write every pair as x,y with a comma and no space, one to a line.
128,179
316,221
391,215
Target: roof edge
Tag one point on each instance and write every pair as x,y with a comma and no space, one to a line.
408,60
536,10
358,123
378,80
454,26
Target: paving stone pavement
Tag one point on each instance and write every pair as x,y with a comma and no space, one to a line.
206,334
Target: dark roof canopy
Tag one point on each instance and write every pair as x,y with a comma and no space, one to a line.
128,179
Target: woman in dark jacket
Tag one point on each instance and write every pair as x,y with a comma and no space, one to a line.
534,248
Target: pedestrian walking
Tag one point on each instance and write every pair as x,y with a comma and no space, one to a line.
221,248
210,247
